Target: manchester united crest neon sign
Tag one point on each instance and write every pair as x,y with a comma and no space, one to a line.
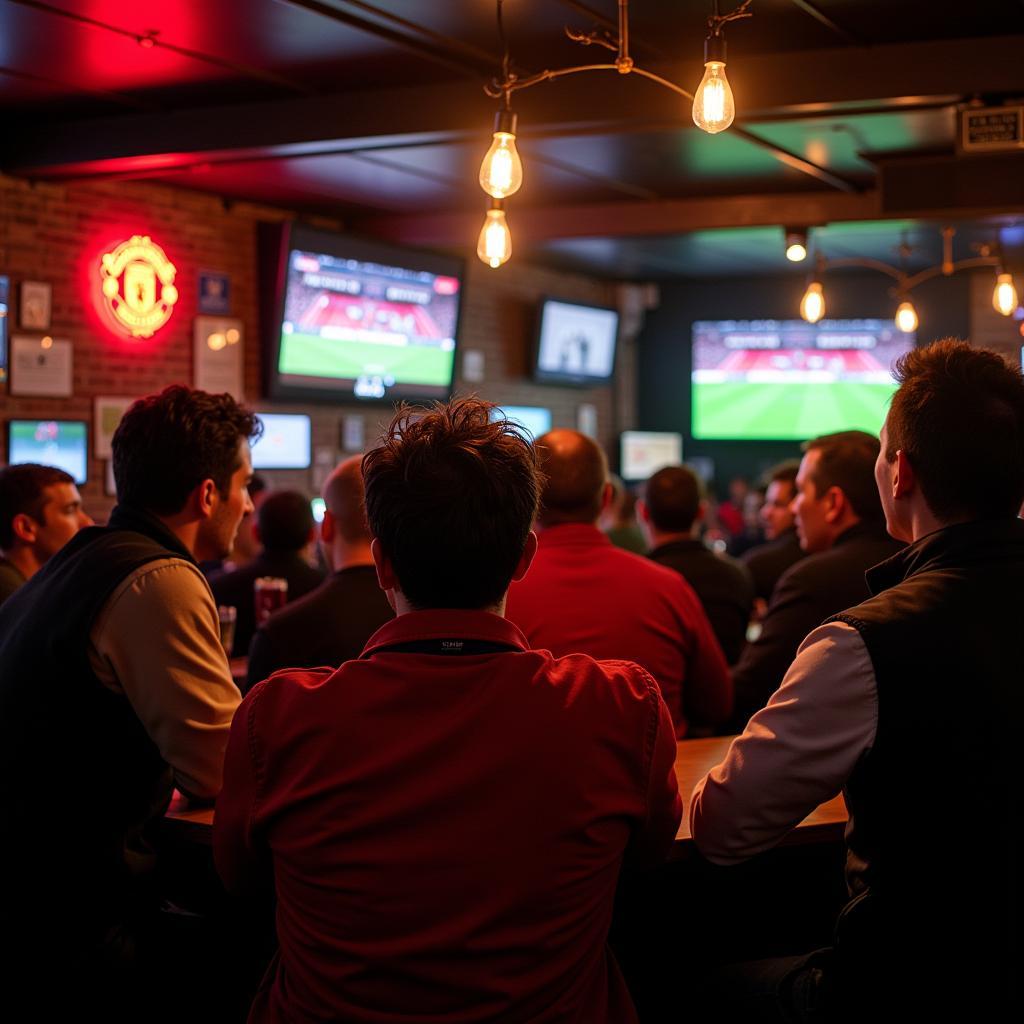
137,282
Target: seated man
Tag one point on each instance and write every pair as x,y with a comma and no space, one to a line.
767,562
671,512
584,595
446,817
333,623
114,688
284,526
40,511
841,527
910,702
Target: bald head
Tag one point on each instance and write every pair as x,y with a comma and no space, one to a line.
346,500
576,473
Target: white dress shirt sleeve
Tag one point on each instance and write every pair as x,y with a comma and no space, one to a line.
795,753
157,640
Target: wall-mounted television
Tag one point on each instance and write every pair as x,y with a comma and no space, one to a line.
783,380
284,443
5,292
643,452
60,443
575,343
356,320
533,418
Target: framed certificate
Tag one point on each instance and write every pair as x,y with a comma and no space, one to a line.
34,308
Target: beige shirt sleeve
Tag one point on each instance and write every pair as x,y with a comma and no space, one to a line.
157,640
795,753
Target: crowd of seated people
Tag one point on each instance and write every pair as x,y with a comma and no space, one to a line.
450,749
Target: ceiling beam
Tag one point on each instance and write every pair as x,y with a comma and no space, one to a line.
631,219
813,83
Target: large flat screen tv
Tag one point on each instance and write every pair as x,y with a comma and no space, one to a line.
358,320
533,418
60,443
784,380
284,443
575,343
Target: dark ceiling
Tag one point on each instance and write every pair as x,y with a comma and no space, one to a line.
374,112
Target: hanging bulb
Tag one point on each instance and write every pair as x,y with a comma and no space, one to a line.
1004,298
713,105
796,245
906,317
812,305
495,244
501,173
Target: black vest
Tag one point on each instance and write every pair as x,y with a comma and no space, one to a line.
82,786
933,845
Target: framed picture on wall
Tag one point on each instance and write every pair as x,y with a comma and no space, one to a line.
41,366
107,413
34,305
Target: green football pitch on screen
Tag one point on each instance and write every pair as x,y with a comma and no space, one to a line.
745,411
310,356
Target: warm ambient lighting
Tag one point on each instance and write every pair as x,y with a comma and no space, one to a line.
796,245
812,305
1004,298
906,317
501,173
713,105
137,285
495,244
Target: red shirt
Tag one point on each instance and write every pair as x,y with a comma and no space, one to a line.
446,830
582,594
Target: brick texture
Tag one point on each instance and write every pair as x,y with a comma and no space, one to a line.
57,233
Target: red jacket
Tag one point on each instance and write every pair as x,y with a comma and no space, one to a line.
446,829
582,594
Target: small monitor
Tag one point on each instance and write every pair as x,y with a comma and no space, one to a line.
533,418
285,443
644,452
576,344
63,444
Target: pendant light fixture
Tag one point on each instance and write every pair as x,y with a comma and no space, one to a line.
812,305
906,317
1004,296
494,245
501,173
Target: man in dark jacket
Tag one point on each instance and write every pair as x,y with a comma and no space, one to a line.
114,689
670,511
841,527
284,526
331,624
911,702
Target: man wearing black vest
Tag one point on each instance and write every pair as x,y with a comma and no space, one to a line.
911,703
114,689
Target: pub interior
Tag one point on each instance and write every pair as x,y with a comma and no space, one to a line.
209,195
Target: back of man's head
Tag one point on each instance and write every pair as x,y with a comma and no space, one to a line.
847,460
285,522
576,472
958,416
451,498
345,498
673,497
22,492
168,444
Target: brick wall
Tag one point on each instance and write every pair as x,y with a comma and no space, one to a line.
55,233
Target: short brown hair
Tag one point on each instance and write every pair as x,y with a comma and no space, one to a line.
451,498
673,498
783,473
847,460
168,444
958,416
21,493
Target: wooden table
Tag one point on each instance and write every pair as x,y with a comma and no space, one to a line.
693,760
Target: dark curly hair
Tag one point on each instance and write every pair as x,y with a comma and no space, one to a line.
451,496
958,416
168,444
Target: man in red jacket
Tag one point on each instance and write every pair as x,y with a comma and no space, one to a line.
585,595
446,817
